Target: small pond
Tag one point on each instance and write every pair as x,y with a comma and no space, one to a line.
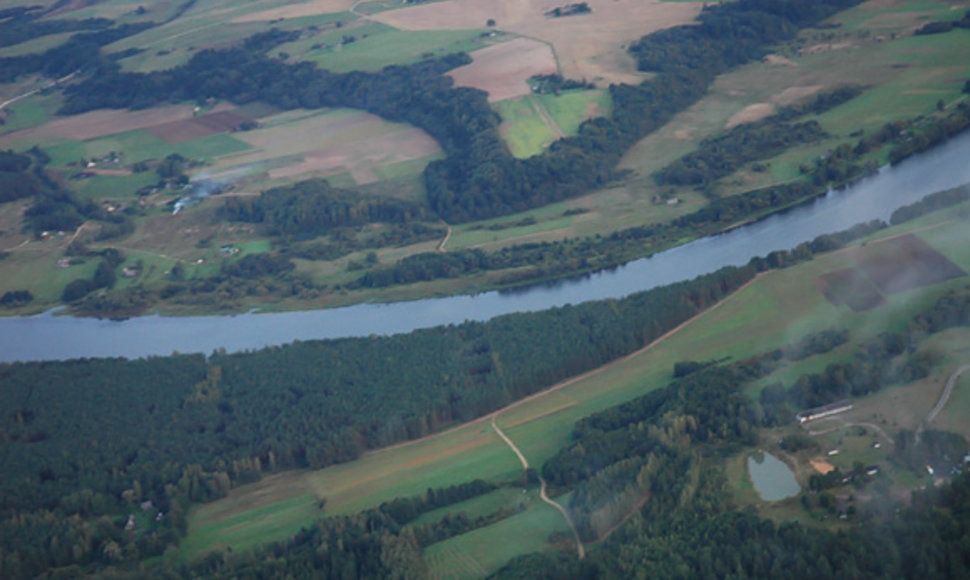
771,477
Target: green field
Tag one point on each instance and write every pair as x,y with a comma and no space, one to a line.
482,551
527,133
137,145
377,45
524,130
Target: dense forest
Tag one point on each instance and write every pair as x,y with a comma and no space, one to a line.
313,207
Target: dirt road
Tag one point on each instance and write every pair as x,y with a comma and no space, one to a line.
542,488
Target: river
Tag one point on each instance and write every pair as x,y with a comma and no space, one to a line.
50,337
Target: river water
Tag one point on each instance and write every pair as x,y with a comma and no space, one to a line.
49,337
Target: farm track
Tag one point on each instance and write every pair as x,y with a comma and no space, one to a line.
441,245
49,85
844,424
542,488
944,397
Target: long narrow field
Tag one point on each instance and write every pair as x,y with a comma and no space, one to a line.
778,308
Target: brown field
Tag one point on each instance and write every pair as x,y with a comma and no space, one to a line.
327,144
589,46
503,70
196,127
904,263
311,8
107,122
849,287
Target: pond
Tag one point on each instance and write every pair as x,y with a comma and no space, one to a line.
771,477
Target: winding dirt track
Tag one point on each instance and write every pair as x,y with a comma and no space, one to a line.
542,488
946,393
944,397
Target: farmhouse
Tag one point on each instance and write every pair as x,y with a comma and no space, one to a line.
824,411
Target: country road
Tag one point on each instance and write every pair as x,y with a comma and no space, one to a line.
580,549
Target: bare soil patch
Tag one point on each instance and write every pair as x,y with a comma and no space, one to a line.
503,70
750,114
297,10
107,122
821,466
194,128
904,263
778,60
820,48
794,94
590,46
851,288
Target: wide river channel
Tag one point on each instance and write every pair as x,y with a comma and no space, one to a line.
49,337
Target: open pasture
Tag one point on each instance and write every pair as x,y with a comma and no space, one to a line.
589,46
503,70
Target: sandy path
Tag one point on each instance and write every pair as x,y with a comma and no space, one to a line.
441,245
542,488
